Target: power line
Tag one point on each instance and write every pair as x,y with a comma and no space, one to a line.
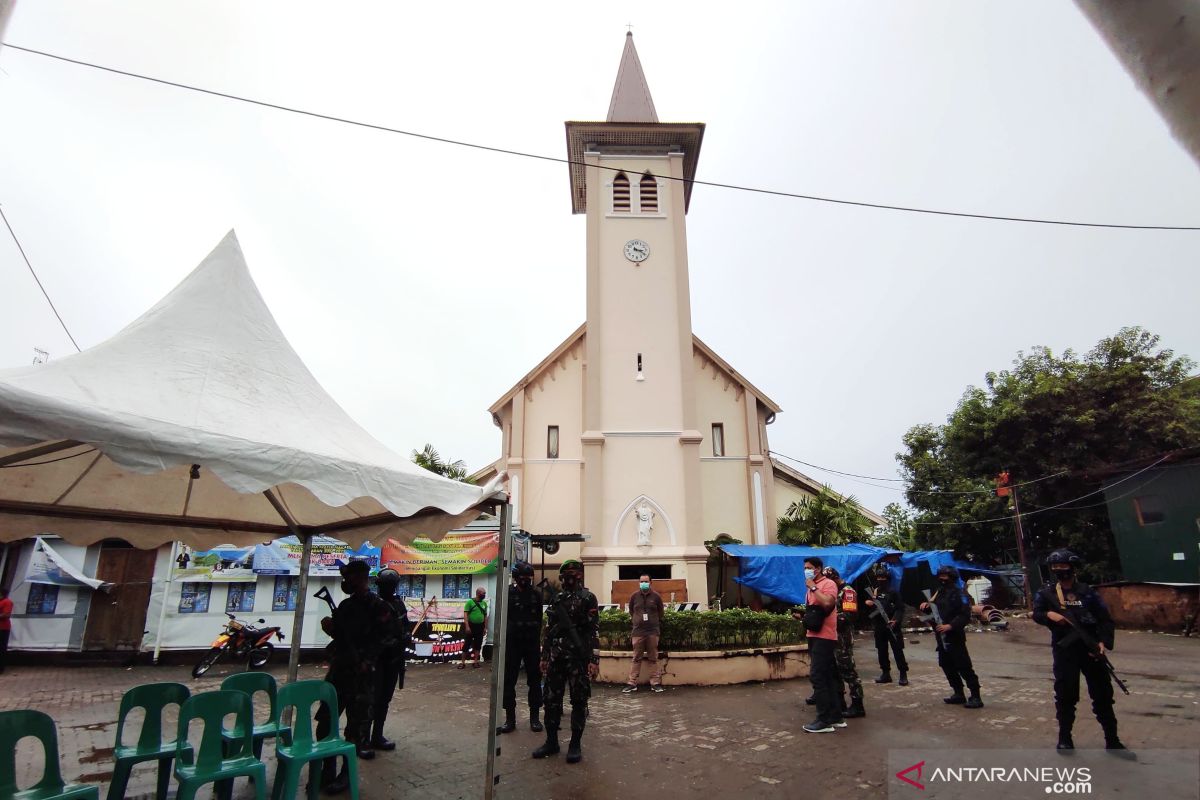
914,491
1057,505
39,280
521,154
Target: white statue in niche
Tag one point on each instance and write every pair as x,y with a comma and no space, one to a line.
645,522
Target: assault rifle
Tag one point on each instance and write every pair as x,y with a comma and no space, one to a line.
1081,634
564,622
873,593
934,617
323,594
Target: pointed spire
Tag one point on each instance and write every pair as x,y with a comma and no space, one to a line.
631,100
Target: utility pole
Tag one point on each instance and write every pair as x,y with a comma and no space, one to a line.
1027,590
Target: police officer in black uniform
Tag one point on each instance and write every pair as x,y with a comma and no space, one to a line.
1051,605
389,673
523,645
358,626
953,658
888,635
570,658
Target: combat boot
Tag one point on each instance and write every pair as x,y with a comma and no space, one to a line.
574,751
855,710
956,699
550,746
974,701
884,677
510,721
1065,742
339,782
535,724
903,678
1113,744
811,700
378,740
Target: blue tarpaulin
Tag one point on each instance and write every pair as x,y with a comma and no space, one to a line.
778,570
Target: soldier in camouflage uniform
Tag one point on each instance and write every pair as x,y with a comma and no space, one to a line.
570,658
390,670
357,627
847,672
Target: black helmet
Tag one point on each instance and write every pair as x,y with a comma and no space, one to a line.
522,569
948,571
388,577
356,567
1064,556
881,573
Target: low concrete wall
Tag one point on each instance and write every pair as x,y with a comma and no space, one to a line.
712,667
1152,606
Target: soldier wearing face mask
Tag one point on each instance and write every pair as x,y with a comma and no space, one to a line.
522,645
951,636
1072,657
358,627
570,658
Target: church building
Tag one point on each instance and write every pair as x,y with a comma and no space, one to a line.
633,432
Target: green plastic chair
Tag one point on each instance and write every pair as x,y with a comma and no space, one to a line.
298,748
216,760
154,698
15,726
251,683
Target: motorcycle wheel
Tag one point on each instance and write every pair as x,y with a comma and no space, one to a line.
207,662
260,655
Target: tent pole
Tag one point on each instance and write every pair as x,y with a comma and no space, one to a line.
302,592
499,640
162,612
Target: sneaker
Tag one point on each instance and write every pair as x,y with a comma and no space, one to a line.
629,690
841,723
817,726
657,689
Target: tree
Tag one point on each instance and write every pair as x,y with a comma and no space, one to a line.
1056,421
824,519
430,459
897,531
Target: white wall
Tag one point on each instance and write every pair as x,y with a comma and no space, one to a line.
46,631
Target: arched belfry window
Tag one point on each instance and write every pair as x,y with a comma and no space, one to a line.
649,194
621,193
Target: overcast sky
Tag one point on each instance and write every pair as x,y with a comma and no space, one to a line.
419,281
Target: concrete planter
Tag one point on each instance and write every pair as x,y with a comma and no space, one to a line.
712,667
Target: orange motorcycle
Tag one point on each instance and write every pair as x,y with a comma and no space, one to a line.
240,640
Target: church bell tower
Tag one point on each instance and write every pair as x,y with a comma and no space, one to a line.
631,175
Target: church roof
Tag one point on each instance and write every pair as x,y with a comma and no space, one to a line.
631,101
580,332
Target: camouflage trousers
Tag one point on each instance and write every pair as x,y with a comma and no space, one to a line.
355,697
847,673
567,674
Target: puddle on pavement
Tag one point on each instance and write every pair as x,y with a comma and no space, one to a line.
98,754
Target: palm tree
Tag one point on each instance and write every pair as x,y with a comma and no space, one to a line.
430,459
822,520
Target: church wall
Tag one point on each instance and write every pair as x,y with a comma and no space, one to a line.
634,466
784,495
718,400
725,497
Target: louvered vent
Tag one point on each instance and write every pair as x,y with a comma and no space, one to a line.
621,193
649,194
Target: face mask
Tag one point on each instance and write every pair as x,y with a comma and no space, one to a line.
644,586
1064,574
524,582
569,580
944,581
347,587
809,574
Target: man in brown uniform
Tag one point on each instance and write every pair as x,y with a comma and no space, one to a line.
646,609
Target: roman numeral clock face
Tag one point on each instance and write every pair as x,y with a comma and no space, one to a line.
637,251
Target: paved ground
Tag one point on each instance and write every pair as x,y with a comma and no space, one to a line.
740,740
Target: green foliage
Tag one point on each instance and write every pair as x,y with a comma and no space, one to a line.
429,459
1126,399
898,531
822,520
733,628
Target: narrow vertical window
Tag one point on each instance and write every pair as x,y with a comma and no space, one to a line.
552,441
621,193
649,194
718,439
640,376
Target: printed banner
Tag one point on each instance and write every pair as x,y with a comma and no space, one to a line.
522,547
224,563
457,554
282,557
47,566
438,631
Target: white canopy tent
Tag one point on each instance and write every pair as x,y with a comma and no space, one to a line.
199,423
